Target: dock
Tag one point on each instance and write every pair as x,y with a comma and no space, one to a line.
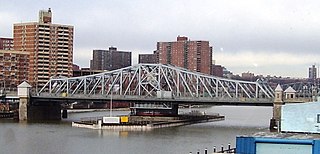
145,122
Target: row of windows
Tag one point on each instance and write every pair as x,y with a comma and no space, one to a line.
12,58
7,41
7,45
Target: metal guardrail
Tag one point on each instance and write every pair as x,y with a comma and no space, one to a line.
221,150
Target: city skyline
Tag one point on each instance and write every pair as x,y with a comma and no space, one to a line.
263,37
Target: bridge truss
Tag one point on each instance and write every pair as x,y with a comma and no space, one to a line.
304,89
157,81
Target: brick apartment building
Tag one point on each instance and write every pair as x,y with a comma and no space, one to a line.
313,72
111,59
13,69
77,71
149,58
192,55
217,70
49,45
6,43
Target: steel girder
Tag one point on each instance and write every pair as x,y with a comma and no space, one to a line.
146,80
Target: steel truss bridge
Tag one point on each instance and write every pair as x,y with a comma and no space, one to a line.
304,89
158,83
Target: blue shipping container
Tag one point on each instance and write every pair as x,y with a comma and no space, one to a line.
274,145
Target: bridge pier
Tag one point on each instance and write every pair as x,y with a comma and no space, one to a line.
23,108
23,93
31,110
277,104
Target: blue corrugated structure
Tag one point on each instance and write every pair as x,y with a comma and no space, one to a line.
245,145
301,117
278,143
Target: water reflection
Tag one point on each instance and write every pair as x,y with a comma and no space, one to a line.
115,133
9,136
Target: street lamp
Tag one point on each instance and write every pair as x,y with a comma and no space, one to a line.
112,89
111,102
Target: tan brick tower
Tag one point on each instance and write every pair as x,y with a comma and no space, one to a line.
50,47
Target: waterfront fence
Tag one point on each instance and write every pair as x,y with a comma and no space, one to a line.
216,150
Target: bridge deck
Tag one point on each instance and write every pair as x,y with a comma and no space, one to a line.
185,100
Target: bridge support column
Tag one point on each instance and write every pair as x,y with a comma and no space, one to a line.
23,93
23,108
275,124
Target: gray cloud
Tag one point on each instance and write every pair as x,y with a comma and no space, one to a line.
239,27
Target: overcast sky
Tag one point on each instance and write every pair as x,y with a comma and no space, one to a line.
276,37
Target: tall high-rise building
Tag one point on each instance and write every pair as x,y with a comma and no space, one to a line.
13,69
50,47
6,43
312,72
110,59
192,55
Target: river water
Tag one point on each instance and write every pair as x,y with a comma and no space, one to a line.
61,138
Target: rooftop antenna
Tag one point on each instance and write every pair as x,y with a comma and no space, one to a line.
317,70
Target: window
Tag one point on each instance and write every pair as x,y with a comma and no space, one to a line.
318,118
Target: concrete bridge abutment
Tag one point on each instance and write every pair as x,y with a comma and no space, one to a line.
31,110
